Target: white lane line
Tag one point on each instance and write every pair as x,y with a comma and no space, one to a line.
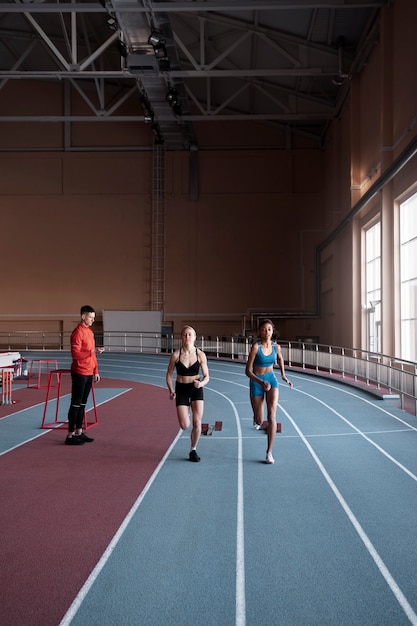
29,408
70,614
48,430
340,388
400,597
240,619
362,434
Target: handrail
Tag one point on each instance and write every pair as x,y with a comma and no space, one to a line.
385,374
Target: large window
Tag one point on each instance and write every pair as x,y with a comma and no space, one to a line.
373,286
408,278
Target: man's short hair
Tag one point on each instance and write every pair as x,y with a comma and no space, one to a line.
87,309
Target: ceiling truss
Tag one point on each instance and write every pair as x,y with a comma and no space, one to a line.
285,63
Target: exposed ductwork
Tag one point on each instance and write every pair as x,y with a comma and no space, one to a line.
150,60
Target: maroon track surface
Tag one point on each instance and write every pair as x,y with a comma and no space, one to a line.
61,505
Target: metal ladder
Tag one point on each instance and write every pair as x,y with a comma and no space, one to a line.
158,229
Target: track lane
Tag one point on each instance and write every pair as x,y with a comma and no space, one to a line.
304,560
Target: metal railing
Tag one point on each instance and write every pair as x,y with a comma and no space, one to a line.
386,374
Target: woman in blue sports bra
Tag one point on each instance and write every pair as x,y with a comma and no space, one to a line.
188,392
264,354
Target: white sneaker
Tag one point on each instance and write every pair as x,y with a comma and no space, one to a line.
257,426
269,459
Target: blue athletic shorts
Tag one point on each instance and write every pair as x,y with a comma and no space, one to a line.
185,393
257,390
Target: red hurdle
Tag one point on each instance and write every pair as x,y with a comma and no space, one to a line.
59,373
36,368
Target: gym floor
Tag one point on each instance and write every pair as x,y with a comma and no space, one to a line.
125,531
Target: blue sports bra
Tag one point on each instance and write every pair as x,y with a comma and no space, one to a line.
187,371
262,360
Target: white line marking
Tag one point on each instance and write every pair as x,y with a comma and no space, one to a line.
240,530
70,614
362,434
29,408
400,597
339,387
45,431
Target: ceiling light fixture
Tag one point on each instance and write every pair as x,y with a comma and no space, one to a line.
341,77
158,43
148,114
112,22
156,38
172,95
122,48
173,100
160,51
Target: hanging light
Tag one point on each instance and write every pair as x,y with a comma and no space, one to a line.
156,38
112,22
173,100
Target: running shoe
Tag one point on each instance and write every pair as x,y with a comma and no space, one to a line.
269,459
84,438
73,441
257,426
194,456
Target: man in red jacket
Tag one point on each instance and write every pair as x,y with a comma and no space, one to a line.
84,369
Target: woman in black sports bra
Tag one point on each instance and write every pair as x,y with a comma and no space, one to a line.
188,392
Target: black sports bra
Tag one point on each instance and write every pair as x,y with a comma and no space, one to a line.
187,371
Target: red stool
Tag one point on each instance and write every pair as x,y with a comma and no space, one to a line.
39,363
59,373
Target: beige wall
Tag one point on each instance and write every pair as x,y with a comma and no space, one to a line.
78,230
76,226
248,244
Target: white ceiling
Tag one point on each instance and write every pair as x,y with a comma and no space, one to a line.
280,63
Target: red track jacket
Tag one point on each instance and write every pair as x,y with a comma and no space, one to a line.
83,350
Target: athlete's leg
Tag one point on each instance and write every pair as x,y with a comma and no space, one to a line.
271,405
257,403
183,415
77,390
88,383
197,408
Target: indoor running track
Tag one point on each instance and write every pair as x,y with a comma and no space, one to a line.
326,536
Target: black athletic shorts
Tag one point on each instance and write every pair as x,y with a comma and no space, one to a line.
185,393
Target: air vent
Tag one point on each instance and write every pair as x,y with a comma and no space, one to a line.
142,63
